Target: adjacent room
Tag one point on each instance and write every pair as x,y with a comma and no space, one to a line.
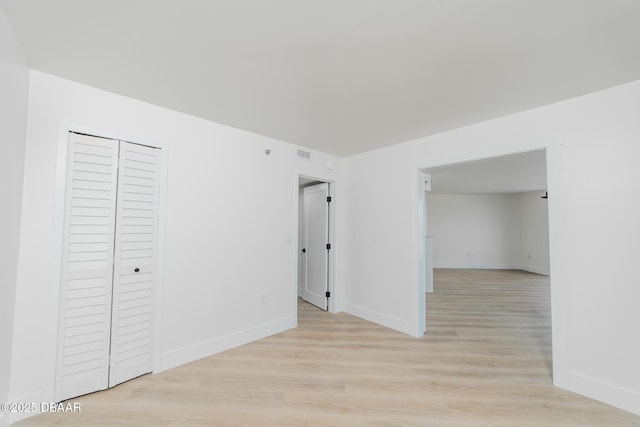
215,212
490,213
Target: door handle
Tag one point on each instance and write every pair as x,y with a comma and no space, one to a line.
303,250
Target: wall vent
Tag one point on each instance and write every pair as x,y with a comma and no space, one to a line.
306,155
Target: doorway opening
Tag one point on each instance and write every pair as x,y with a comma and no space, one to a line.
489,215
315,238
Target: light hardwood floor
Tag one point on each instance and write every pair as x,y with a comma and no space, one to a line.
486,361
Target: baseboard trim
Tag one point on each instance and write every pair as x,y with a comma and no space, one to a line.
472,266
529,268
620,397
14,417
338,307
174,358
534,269
382,319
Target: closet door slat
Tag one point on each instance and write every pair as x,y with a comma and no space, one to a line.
135,262
87,266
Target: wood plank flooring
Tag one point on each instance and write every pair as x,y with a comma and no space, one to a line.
485,361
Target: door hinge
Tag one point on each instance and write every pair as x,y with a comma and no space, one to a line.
328,294
328,199
328,246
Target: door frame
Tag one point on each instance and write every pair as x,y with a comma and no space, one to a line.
554,160
332,306
53,297
303,259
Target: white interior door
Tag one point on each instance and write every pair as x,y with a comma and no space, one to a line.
316,238
135,259
87,266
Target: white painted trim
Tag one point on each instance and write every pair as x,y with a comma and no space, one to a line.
557,249
53,307
338,306
534,269
159,290
206,348
417,251
308,193
559,321
294,247
530,269
331,305
401,325
334,306
51,328
35,397
620,397
480,266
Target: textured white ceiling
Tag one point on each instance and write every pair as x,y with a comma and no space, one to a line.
506,174
342,76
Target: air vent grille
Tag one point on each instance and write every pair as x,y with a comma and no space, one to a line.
306,155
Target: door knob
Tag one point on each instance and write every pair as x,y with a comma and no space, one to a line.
137,270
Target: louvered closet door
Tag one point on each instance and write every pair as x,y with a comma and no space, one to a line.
135,260
87,266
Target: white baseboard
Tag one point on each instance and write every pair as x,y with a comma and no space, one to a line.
187,354
338,307
400,325
176,358
14,417
620,397
529,268
472,266
534,269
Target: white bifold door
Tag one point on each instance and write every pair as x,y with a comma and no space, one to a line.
108,264
315,284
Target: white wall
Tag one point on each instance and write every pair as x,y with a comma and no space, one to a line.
378,216
14,87
534,232
500,231
474,230
592,148
229,235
